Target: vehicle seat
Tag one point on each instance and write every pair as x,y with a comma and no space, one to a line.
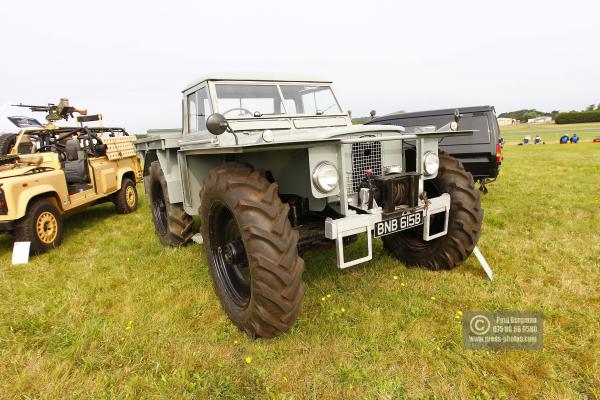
72,150
75,167
100,150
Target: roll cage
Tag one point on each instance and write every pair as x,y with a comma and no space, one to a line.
42,140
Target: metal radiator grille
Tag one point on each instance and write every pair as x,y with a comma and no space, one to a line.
365,156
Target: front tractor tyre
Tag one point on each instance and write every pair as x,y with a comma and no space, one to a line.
126,199
464,222
41,226
251,249
172,224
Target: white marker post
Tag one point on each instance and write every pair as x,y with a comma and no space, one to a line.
484,264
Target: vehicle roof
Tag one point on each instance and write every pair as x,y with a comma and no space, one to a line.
255,76
430,113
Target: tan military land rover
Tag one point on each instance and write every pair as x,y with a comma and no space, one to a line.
48,171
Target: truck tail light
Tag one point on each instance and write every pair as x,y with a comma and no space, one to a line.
3,206
498,153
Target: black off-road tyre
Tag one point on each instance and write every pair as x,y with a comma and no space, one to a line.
251,249
464,223
172,224
7,142
126,199
41,225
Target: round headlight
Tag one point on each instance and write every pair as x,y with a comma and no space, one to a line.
431,163
325,177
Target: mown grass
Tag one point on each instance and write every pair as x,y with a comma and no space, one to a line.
551,133
112,314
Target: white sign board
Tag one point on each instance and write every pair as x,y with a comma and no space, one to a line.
20,253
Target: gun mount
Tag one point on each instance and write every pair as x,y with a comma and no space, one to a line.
56,112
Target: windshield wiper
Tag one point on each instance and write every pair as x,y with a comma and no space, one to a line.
321,112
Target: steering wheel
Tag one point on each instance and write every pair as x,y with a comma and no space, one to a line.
54,148
245,110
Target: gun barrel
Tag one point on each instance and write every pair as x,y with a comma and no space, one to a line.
34,107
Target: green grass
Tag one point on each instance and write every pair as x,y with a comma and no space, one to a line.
112,314
551,133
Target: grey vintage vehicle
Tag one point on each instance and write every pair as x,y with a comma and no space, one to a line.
273,166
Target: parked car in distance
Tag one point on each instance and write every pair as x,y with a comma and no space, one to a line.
480,154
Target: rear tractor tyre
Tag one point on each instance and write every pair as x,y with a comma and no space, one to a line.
172,224
126,199
464,222
252,250
41,226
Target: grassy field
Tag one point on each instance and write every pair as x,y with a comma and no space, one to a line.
112,314
551,133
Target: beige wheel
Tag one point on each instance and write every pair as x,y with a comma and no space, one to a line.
130,196
41,226
46,227
126,199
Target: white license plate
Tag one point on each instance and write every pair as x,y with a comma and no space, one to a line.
398,224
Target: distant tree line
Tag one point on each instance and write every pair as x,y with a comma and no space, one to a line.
590,114
576,117
360,120
525,114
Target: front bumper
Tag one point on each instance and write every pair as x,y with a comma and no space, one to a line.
337,229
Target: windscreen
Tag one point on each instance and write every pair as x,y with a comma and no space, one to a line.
248,101
307,99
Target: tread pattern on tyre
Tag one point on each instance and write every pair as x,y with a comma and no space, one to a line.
179,223
7,141
271,248
25,228
464,224
120,199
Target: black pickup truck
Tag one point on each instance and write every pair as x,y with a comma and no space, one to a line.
481,154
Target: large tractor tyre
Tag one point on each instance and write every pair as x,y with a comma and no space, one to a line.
252,250
464,223
172,224
126,199
7,142
41,226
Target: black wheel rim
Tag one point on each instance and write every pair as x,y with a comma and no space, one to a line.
228,254
159,209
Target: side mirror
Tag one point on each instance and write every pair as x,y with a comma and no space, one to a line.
216,124
457,115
